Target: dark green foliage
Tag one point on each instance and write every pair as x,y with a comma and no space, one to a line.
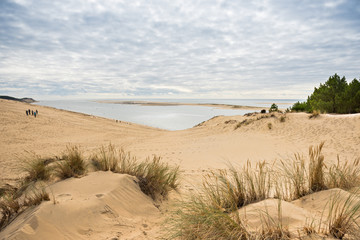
273,108
334,96
301,107
263,111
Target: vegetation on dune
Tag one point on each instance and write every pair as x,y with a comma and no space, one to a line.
335,96
72,165
213,213
155,178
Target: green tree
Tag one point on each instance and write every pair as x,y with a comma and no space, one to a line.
329,96
352,97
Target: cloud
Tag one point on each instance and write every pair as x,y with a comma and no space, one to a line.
179,48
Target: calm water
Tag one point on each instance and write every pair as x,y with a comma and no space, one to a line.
165,117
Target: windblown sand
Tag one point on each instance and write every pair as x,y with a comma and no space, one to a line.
103,205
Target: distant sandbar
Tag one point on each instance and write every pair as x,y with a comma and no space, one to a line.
153,103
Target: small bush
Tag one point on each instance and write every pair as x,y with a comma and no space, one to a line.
269,125
263,111
273,108
282,118
73,164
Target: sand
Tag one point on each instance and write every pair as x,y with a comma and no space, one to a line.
110,206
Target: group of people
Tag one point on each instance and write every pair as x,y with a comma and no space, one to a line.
32,112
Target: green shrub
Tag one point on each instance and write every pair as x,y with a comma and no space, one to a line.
273,108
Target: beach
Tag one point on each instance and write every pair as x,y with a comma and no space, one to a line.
211,145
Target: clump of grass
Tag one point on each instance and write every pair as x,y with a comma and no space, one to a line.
156,178
9,208
73,164
282,118
229,191
11,205
315,114
244,123
294,179
106,159
343,215
197,219
316,169
273,228
269,125
37,169
345,175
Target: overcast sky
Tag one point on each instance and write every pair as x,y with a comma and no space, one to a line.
176,48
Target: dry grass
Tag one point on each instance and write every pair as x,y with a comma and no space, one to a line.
270,126
229,190
293,180
11,205
282,119
37,169
343,215
314,114
316,169
106,159
345,175
273,228
73,164
156,178
196,219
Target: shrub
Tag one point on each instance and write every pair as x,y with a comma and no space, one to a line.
269,125
263,111
73,164
273,108
300,107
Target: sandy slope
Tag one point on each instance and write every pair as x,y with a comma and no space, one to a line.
122,210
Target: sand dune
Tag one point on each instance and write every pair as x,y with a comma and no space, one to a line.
104,205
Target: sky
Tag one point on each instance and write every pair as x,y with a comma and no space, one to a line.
65,49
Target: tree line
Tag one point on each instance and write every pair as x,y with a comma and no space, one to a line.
334,96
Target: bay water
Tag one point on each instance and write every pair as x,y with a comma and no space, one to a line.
176,117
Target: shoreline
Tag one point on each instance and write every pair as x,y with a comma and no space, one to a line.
155,103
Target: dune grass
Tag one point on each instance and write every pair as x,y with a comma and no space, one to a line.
37,169
343,215
106,159
155,178
11,205
73,165
213,212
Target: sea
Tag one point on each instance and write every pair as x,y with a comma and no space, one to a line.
177,117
